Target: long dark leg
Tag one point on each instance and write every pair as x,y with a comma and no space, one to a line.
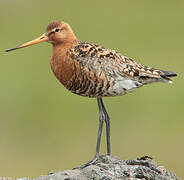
107,121
101,121
100,128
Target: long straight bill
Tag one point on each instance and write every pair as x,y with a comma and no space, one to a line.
40,39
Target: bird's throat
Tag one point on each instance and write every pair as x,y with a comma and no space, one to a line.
61,64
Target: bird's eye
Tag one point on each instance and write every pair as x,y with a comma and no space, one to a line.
56,30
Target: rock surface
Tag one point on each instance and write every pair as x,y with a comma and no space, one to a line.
112,168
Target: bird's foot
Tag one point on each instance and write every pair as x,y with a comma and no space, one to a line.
88,163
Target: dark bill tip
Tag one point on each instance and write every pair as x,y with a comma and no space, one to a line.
17,47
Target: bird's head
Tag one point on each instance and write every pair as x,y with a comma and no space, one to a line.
57,32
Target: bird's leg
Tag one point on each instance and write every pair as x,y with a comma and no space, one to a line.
107,122
101,121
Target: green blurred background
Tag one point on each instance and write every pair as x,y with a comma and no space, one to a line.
44,127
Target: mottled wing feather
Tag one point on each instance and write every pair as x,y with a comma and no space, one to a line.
112,62
100,72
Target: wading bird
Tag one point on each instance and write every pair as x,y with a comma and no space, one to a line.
91,70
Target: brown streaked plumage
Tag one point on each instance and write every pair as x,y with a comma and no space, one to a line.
94,71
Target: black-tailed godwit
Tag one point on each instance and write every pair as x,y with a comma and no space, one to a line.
94,71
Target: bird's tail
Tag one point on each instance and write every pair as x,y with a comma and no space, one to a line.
157,75
167,75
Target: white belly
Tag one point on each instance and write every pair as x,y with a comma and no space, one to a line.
124,85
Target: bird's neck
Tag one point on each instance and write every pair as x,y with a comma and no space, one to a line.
60,62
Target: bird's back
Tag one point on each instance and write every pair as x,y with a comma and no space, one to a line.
99,72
